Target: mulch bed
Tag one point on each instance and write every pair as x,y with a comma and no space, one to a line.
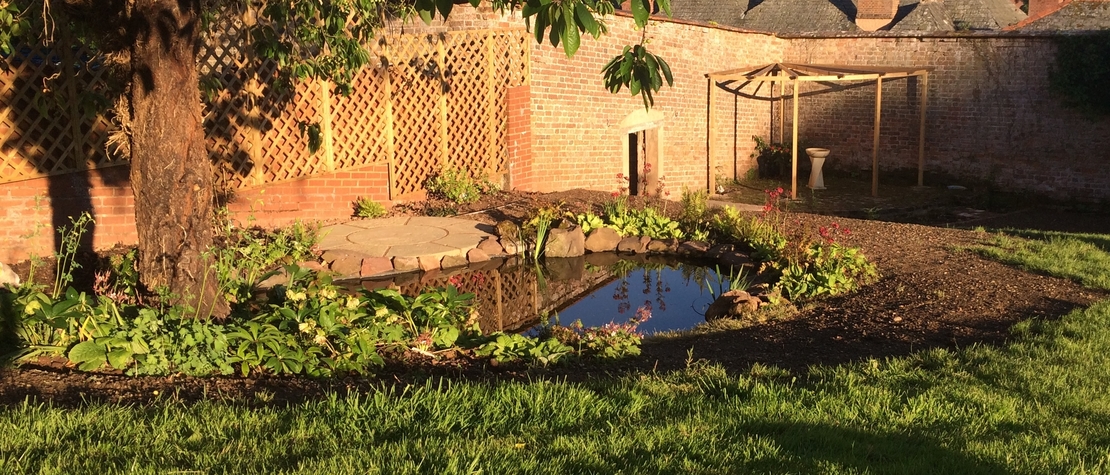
930,295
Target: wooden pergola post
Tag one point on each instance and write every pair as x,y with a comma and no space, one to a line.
875,143
709,136
794,149
921,133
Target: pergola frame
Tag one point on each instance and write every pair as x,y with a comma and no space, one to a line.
734,80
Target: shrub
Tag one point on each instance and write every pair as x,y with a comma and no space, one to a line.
368,208
458,186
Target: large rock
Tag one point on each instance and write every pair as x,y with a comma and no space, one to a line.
8,276
491,247
511,238
603,239
734,259
693,248
375,265
347,266
477,255
663,245
451,262
634,244
406,264
565,242
733,304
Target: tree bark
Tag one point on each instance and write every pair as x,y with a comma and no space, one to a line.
171,175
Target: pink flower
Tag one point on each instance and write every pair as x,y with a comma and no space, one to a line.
620,175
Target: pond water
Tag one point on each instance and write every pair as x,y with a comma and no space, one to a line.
677,295
513,296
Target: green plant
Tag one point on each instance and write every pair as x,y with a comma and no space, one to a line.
587,221
1082,71
722,283
368,208
611,341
773,159
243,257
67,251
539,226
695,206
458,186
508,347
826,267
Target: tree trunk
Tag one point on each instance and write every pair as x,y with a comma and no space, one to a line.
171,175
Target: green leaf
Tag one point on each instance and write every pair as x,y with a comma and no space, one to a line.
664,5
571,38
641,10
586,19
87,353
541,25
666,71
444,7
119,358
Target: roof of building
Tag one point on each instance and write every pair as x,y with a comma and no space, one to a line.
826,16
1078,15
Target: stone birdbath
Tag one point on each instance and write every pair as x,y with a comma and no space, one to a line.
817,160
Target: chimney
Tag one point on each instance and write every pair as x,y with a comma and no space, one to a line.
1039,8
874,14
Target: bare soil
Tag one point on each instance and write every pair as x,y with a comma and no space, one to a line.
931,295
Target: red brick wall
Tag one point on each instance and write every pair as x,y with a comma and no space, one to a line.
991,116
32,209
575,121
518,135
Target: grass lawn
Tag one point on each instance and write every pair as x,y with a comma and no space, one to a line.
1039,405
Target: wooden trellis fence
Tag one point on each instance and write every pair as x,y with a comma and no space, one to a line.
426,101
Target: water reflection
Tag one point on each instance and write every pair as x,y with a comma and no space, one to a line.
599,288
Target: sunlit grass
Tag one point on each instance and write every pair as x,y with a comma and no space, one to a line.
1038,405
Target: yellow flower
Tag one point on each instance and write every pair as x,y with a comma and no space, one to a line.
32,307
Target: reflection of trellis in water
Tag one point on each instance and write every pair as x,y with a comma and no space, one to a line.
425,101
513,298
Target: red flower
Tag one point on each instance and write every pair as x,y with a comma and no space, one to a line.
616,194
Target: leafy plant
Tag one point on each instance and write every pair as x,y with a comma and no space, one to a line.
540,224
695,206
67,250
458,186
587,221
368,208
773,159
611,341
1082,71
508,347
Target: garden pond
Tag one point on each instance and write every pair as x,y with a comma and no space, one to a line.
513,296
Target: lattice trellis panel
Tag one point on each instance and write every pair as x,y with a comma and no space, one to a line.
471,102
418,111
51,122
359,121
440,99
231,121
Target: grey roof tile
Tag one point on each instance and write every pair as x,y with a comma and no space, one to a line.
1075,16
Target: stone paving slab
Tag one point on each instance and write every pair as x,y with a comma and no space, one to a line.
425,237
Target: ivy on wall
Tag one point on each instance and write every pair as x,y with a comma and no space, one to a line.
1081,75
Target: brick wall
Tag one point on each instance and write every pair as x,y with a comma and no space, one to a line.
33,209
518,135
576,133
990,117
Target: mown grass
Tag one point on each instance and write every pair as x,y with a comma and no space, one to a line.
1038,405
